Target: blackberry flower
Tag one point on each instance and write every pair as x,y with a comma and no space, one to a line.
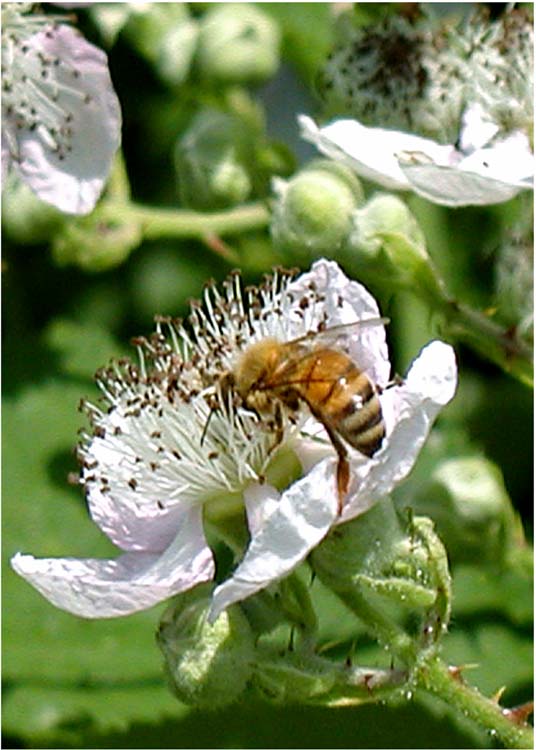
61,120
171,450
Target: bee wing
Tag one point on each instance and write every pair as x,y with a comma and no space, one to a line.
338,337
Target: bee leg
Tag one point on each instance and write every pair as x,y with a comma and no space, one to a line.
395,380
279,427
343,467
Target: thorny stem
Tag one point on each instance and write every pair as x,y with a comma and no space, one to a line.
490,339
495,342
435,677
430,673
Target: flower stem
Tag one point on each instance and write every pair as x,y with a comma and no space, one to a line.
435,677
170,222
386,632
500,345
432,674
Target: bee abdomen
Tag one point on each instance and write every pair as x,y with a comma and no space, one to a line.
361,422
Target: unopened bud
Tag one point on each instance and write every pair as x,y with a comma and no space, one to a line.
210,161
96,242
312,214
166,35
208,666
390,248
238,43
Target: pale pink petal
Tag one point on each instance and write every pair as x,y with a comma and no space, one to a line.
132,582
73,179
260,500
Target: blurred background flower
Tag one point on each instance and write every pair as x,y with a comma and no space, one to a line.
61,119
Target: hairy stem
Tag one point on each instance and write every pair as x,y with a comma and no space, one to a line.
170,222
430,673
436,677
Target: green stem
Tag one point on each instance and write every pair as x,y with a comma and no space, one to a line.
492,340
386,632
477,330
432,674
169,222
435,677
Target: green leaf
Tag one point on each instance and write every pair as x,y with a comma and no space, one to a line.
81,349
503,657
507,593
55,713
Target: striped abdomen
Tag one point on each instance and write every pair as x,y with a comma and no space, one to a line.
343,398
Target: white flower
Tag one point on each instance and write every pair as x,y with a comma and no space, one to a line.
482,171
154,468
61,119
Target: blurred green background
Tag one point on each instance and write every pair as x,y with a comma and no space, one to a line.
75,683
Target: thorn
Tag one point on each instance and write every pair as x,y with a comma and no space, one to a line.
456,672
496,697
519,714
290,646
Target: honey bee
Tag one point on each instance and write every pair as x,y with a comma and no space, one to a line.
314,370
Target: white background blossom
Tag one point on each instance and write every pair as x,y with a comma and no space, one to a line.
61,119
491,173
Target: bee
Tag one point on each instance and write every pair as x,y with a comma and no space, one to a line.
314,370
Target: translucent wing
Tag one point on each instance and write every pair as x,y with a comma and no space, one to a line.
336,337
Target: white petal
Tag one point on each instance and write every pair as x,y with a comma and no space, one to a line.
409,411
260,500
347,301
144,466
132,582
490,175
74,183
303,517
372,152
476,131
509,161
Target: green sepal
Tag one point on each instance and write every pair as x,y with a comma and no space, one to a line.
390,248
208,666
98,242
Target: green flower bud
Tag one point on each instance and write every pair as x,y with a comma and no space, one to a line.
210,161
208,666
26,219
166,35
238,43
390,248
96,242
383,560
471,508
312,213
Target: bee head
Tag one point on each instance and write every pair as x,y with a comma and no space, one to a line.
257,362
